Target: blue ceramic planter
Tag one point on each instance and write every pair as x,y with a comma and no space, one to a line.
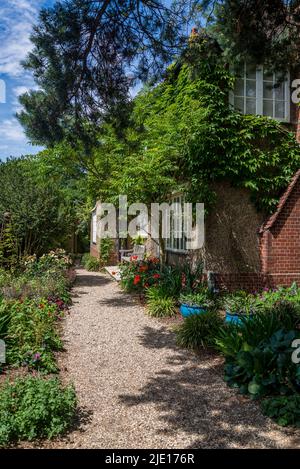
234,318
189,310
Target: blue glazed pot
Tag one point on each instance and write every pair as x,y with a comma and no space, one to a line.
235,318
189,310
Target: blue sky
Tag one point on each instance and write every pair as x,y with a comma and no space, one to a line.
16,20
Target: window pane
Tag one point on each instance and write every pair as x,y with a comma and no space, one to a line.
251,88
239,104
268,76
250,106
251,71
268,108
279,109
268,90
239,87
279,92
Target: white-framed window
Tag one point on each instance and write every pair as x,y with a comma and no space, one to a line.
258,91
177,240
94,227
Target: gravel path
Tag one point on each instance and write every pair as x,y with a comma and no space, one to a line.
136,389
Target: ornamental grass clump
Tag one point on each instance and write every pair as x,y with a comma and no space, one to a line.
199,330
159,304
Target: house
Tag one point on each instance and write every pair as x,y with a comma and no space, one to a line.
242,249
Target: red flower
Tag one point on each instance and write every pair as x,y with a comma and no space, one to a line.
134,258
136,279
156,276
154,260
143,268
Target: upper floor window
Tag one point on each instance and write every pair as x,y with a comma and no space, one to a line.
258,91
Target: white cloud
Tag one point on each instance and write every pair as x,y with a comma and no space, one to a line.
10,129
17,18
18,90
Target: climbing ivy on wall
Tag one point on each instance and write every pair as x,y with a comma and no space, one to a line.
188,120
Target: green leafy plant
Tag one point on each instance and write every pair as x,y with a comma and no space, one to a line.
285,410
199,330
33,408
233,338
51,262
31,335
270,297
229,340
139,275
106,249
240,303
160,305
266,368
202,299
90,263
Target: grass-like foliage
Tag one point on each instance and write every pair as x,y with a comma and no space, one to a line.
199,330
90,263
159,304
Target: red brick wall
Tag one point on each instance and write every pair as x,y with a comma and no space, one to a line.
94,250
295,119
283,256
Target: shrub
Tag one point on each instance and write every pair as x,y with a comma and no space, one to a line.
39,286
35,408
90,263
266,368
106,249
160,305
199,330
31,335
285,410
51,262
139,275
233,338
269,298
5,314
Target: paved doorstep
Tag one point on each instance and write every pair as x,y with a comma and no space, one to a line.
136,389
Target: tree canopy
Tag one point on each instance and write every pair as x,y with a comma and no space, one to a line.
40,197
87,54
183,135
265,31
